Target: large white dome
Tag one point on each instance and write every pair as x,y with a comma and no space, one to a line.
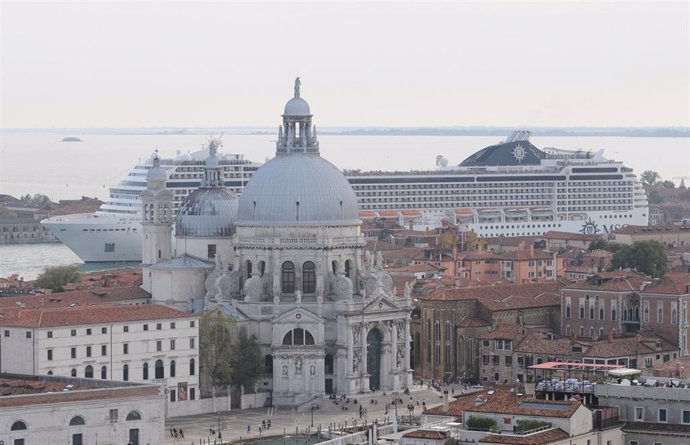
207,212
298,188
297,107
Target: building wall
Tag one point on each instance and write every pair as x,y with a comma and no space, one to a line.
142,347
49,423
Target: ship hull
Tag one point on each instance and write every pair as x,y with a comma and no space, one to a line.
98,238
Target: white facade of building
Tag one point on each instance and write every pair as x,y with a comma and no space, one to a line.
109,414
148,344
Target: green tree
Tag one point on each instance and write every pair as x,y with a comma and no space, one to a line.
246,361
216,335
55,277
668,184
647,257
649,178
38,200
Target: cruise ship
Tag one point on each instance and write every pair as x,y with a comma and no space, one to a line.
511,188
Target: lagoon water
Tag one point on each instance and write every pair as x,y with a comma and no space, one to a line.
42,163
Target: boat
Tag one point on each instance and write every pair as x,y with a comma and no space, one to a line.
511,188
113,233
71,139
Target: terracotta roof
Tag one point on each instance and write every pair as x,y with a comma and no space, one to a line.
83,315
504,331
96,296
626,346
471,322
427,434
411,213
503,296
458,406
78,396
388,214
511,240
671,283
554,234
540,438
527,255
367,214
657,427
376,245
651,230
406,252
539,343
627,283
503,402
414,268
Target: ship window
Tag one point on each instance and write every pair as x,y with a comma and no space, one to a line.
109,247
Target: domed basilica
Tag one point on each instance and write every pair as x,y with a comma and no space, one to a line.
286,261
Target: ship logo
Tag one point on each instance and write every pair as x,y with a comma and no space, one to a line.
519,153
589,227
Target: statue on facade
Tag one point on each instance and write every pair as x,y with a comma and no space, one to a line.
356,357
298,365
298,296
285,371
356,334
298,86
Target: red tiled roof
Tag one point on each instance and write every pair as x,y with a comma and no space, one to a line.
671,283
540,438
101,295
554,234
367,214
503,296
538,343
388,213
627,346
504,331
411,212
413,268
503,402
457,406
471,322
82,315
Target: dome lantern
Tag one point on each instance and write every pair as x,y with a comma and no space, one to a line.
297,132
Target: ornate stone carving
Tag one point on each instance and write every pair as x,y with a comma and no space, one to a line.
399,356
253,289
356,334
312,370
298,365
356,359
343,288
400,326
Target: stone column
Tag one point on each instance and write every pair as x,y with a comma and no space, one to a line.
350,350
387,365
275,273
363,340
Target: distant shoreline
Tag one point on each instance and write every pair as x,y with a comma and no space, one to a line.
674,132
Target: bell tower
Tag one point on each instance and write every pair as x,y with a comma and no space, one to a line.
156,222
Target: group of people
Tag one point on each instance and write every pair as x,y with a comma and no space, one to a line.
265,425
175,433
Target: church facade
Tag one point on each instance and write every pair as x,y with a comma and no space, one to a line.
289,267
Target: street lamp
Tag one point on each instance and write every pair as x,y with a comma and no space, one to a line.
313,407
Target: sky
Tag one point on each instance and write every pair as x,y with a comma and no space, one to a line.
199,64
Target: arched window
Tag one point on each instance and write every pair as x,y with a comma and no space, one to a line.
192,367
298,336
160,371
18,426
73,372
348,265
88,372
76,421
428,341
268,364
50,372
133,415
104,372
328,364
125,373
308,277
288,277
172,368
437,342
145,371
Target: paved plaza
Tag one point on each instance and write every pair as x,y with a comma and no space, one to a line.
234,424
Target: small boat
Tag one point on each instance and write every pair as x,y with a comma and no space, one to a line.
71,139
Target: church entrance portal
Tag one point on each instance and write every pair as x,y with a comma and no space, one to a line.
374,338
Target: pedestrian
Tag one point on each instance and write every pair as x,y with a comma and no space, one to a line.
181,433
171,431
249,428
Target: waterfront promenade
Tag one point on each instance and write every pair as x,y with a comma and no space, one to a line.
233,424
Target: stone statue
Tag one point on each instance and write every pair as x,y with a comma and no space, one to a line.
298,365
356,334
379,260
298,86
399,356
285,371
407,291
400,326
312,370
355,361
298,296
370,261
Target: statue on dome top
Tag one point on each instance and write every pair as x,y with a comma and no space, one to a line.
298,85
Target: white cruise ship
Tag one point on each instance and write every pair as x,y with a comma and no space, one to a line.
512,189
113,233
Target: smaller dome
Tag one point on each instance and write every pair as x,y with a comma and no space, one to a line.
297,107
207,212
156,173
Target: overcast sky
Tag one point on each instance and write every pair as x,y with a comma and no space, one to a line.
526,64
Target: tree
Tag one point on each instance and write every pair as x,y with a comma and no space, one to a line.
649,178
668,184
647,257
38,200
216,334
55,277
246,361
